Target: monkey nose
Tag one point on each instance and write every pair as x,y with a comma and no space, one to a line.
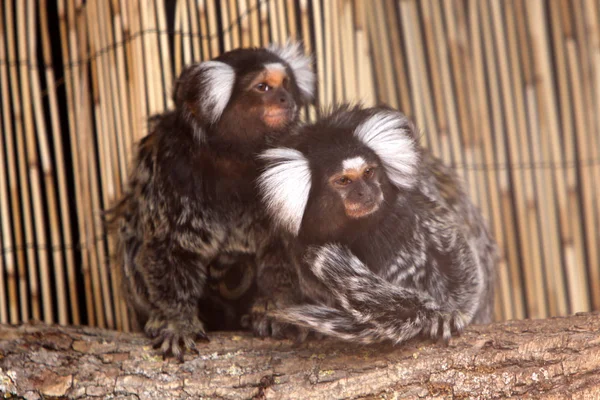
282,100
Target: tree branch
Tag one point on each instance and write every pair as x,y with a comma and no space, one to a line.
543,358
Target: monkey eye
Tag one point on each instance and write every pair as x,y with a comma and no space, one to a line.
263,87
368,173
343,181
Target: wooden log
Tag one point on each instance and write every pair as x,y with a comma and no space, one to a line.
553,358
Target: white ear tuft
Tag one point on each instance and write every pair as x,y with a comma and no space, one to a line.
300,64
218,82
285,186
387,133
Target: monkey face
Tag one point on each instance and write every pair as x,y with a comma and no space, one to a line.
267,97
340,175
275,102
245,98
358,186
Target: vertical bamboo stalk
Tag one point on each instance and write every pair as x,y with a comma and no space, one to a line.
551,144
265,36
327,55
397,53
90,168
364,71
291,19
255,18
272,21
177,41
281,20
146,43
29,150
123,53
167,76
213,29
139,74
244,22
233,24
108,159
524,184
578,290
194,32
305,25
320,53
116,114
132,72
56,242
487,98
3,296
590,172
513,133
348,57
381,46
151,54
441,78
421,92
126,133
100,112
502,159
69,51
21,197
204,29
456,37
60,167
9,205
117,150
567,65
226,33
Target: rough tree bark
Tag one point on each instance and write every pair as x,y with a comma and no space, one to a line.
553,358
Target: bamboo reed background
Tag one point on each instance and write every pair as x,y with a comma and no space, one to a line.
508,92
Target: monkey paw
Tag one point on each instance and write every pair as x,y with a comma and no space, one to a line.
444,324
263,323
175,336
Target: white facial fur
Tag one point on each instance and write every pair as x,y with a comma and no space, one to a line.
292,54
285,186
275,67
385,133
355,163
219,79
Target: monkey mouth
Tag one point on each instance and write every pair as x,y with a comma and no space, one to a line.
359,210
278,117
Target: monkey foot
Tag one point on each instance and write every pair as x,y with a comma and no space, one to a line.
264,325
444,324
175,337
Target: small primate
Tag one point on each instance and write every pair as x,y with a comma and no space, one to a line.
385,242
190,223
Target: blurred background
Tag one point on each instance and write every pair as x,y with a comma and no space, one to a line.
505,91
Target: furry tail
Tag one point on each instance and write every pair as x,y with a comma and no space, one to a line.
367,308
341,324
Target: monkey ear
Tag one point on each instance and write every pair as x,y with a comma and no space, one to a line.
300,64
285,186
204,89
391,136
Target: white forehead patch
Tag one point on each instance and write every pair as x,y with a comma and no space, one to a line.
356,163
387,134
218,80
293,55
284,186
275,67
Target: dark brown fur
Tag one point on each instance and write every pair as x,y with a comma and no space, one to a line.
190,226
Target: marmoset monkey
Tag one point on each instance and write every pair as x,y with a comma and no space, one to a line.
192,201
385,242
